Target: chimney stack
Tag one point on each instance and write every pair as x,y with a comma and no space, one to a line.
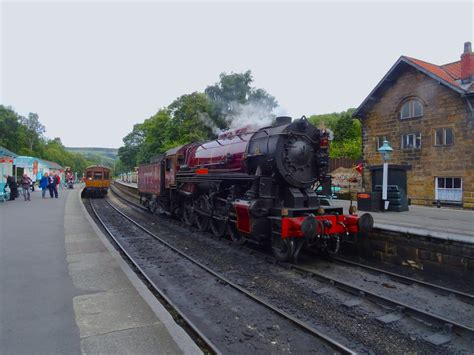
467,64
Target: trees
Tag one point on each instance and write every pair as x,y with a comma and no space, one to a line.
12,133
198,116
233,92
34,130
24,136
347,132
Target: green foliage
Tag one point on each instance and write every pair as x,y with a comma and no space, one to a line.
24,136
192,117
12,132
347,131
234,90
34,130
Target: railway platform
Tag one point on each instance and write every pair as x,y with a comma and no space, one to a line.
65,290
439,223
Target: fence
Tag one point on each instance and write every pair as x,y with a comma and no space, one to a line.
335,163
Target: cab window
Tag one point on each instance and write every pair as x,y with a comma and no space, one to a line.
169,163
97,175
106,175
89,175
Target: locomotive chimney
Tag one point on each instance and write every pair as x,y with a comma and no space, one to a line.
281,120
467,64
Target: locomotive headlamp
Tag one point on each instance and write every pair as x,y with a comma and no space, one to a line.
284,211
321,210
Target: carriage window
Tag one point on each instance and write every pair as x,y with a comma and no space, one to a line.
97,175
168,164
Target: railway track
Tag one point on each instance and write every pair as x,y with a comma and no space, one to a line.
466,297
333,344
448,328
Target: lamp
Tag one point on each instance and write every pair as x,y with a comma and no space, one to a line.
386,152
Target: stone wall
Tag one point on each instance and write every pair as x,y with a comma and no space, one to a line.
428,255
443,107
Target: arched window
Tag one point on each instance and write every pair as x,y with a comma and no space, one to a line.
411,108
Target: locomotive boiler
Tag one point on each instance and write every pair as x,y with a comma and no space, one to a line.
253,185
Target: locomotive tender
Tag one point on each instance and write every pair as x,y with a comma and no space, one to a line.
253,185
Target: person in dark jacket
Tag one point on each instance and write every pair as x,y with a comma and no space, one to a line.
44,184
26,185
53,186
13,187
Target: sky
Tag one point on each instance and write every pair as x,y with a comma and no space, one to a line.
91,70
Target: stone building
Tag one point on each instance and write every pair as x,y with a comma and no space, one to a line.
426,112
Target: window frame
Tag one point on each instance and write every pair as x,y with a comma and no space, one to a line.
416,138
443,143
411,108
453,178
379,141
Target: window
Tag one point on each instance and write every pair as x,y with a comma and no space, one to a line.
448,189
106,175
168,164
379,141
411,108
97,175
89,175
444,136
411,141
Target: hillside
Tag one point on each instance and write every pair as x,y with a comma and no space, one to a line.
103,156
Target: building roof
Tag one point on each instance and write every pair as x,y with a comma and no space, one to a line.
448,75
4,152
26,161
52,164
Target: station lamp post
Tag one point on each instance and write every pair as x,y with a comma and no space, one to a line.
386,152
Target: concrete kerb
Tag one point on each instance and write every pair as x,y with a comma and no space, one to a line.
182,339
466,239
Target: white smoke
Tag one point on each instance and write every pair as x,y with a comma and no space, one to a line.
208,122
253,114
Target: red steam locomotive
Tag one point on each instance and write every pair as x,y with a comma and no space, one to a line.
253,185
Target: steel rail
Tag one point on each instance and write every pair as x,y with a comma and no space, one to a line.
397,305
406,279
189,323
327,339
354,290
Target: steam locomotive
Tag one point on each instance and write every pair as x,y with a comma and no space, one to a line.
253,185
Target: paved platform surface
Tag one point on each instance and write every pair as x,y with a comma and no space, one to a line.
65,290
442,223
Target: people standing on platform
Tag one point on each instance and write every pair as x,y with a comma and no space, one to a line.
53,186
44,182
59,181
13,187
25,183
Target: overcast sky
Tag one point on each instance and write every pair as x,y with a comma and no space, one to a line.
93,69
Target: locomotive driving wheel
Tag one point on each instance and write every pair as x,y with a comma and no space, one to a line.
283,249
188,211
218,222
234,234
218,226
202,212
